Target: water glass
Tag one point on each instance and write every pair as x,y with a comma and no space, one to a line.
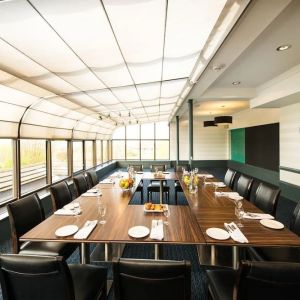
101,213
196,170
166,214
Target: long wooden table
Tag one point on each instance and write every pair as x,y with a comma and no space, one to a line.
120,217
188,224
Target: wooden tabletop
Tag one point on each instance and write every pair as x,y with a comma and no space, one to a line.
188,224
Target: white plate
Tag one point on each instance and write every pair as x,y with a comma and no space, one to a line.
138,231
271,224
66,230
217,233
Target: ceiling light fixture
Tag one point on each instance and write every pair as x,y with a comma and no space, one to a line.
236,82
223,120
209,124
284,47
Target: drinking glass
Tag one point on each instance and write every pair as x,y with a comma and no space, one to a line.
196,170
166,214
101,213
239,212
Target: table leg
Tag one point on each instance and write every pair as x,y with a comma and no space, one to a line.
161,191
235,257
212,255
156,251
85,253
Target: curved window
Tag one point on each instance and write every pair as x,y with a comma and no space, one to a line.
89,154
99,152
59,152
77,156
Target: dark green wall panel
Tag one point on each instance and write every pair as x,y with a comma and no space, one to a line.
238,145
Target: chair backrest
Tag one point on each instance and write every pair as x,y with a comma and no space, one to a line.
159,167
24,214
136,279
60,195
267,280
267,198
229,177
244,185
35,278
295,220
92,178
178,168
81,185
137,168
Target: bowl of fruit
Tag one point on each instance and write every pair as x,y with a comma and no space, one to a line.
126,184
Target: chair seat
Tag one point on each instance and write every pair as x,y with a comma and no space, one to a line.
89,281
177,187
221,283
286,254
48,249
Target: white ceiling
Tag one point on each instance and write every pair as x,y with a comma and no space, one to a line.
106,63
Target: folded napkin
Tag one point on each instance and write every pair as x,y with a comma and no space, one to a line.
67,212
235,233
87,194
107,180
85,231
219,184
157,230
232,195
209,182
92,191
139,172
257,216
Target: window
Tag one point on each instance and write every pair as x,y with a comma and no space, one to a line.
6,169
119,133
33,164
162,149
105,153
162,130
77,156
89,154
119,149
99,152
133,132
59,151
147,131
147,149
133,149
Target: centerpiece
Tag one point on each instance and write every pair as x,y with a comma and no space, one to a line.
191,180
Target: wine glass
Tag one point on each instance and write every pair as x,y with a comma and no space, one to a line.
239,212
101,213
166,214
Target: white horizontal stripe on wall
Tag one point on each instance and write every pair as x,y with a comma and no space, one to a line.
290,177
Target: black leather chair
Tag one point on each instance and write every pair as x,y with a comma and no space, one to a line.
284,254
267,198
255,280
244,185
60,195
229,177
92,178
81,185
177,185
136,279
140,187
24,214
50,278
154,186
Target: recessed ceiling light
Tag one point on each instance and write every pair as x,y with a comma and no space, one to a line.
283,47
236,83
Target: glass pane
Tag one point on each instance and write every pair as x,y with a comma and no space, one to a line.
89,161
119,133
77,156
105,153
133,150
118,149
147,149
6,169
147,131
109,150
99,152
162,130
162,150
133,132
59,150
33,165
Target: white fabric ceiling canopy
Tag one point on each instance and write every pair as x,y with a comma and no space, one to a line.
81,68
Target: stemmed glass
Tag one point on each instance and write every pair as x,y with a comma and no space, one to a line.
239,212
166,214
101,213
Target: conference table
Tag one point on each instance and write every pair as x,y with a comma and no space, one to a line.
187,223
